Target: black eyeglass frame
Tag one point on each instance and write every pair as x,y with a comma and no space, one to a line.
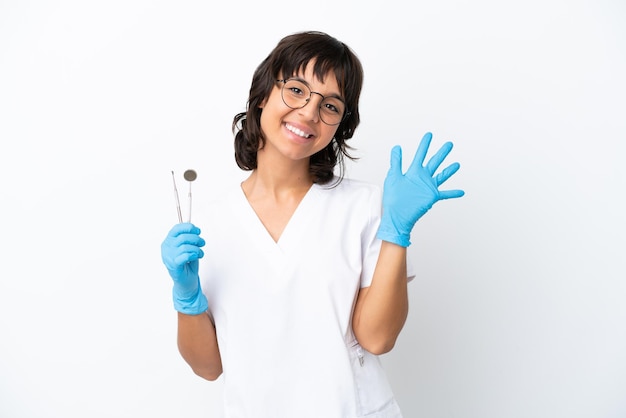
346,112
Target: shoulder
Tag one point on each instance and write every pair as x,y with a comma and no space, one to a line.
349,187
352,195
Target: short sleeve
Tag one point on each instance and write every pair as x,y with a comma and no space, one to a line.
370,245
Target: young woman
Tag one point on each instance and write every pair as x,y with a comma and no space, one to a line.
303,281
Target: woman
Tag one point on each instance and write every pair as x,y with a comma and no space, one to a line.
304,282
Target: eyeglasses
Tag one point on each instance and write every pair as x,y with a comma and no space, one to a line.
296,94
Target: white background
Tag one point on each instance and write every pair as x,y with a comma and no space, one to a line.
519,309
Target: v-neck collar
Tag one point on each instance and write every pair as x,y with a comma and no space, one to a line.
294,227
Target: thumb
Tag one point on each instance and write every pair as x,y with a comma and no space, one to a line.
396,160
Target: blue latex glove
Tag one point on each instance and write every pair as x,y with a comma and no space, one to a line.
407,197
180,252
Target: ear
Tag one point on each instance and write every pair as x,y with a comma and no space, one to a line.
263,103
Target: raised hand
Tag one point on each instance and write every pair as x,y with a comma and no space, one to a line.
407,197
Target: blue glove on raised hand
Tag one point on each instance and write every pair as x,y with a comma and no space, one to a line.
407,197
180,252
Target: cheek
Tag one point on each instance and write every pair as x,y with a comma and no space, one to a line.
332,131
326,139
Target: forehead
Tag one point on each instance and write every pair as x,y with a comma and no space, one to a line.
327,80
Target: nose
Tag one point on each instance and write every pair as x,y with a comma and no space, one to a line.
311,110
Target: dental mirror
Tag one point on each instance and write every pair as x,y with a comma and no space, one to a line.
190,176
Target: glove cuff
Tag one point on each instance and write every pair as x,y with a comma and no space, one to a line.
389,231
393,237
194,304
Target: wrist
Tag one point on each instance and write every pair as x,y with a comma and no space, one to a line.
190,299
393,237
389,231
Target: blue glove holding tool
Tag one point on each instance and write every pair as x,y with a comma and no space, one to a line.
180,252
407,197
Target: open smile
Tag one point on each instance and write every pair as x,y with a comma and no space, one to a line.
298,132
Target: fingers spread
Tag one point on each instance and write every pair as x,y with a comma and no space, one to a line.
420,154
437,159
450,194
447,173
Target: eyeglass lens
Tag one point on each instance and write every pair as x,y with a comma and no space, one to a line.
296,95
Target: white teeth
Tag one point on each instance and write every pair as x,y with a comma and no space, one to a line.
297,131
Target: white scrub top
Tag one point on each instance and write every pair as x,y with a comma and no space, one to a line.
282,310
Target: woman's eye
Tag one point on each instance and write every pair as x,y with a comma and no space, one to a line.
331,108
296,91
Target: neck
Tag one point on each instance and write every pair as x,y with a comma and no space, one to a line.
273,182
277,173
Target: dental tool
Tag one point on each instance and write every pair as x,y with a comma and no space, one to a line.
190,176
180,216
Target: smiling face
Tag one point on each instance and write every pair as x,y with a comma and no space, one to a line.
315,56
294,135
